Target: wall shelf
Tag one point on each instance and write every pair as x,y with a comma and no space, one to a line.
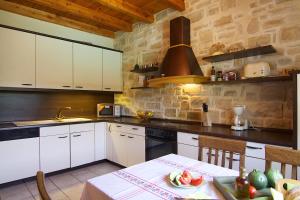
241,54
252,80
145,70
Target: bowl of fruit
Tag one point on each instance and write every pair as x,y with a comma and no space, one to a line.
185,179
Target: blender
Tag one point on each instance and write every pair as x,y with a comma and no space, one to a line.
240,123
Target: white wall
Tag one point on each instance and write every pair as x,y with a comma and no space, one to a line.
19,21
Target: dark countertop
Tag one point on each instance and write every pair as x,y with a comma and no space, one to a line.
267,136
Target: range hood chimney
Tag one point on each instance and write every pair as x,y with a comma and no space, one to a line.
180,65
180,59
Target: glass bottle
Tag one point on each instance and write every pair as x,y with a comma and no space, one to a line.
242,184
213,74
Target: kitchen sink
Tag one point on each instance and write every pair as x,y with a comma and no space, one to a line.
50,121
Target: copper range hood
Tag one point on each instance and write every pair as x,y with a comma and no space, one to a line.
180,65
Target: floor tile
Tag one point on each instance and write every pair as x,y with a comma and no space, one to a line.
83,177
32,186
63,180
74,191
103,168
16,192
55,195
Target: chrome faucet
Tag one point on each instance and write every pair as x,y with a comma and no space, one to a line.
59,115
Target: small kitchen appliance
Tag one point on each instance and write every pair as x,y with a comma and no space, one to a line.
240,123
109,110
258,69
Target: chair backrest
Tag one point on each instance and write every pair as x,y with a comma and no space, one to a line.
224,145
283,155
40,180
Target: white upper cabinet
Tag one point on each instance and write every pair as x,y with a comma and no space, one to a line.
17,59
112,71
53,63
87,65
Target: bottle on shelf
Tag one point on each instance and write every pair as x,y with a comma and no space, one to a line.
213,74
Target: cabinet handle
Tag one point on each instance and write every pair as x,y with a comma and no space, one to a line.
135,129
107,88
122,135
109,128
26,84
233,159
195,138
119,126
79,87
62,137
77,135
66,86
250,147
130,137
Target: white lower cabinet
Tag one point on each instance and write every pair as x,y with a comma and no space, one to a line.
119,154
19,159
55,152
82,148
125,148
100,141
135,149
252,163
188,151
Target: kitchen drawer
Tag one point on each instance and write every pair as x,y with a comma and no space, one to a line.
76,128
187,138
54,130
137,130
256,150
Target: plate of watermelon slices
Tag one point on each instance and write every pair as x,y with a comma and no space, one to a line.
185,179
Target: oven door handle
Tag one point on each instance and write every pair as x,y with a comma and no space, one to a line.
160,139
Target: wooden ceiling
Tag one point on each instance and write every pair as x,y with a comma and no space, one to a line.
102,17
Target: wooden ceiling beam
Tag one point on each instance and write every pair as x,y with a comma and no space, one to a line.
176,4
73,9
127,9
52,18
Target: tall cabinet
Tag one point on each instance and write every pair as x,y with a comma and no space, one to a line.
112,71
17,59
87,66
53,63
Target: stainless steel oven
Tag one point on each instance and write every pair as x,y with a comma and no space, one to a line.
160,142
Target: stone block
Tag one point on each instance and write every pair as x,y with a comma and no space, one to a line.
259,40
152,106
195,116
274,92
227,4
253,26
223,21
185,105
290,34
224,104
170,113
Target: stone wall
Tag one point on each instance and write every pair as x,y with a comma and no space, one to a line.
249,22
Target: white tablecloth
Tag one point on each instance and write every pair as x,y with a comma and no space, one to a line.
147,181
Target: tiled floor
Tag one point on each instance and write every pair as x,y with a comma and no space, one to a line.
64,186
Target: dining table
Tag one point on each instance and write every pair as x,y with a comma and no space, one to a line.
150,181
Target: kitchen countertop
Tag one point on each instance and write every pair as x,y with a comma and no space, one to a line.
267,136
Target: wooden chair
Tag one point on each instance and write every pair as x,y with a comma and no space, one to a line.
40,180
224,145
284,156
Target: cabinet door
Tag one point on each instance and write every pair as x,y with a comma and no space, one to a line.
55,152
109,145
17,59
87,63
53,63
135,149
119,151
188,151
254,163
82,148
100,141
112,71
19,159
